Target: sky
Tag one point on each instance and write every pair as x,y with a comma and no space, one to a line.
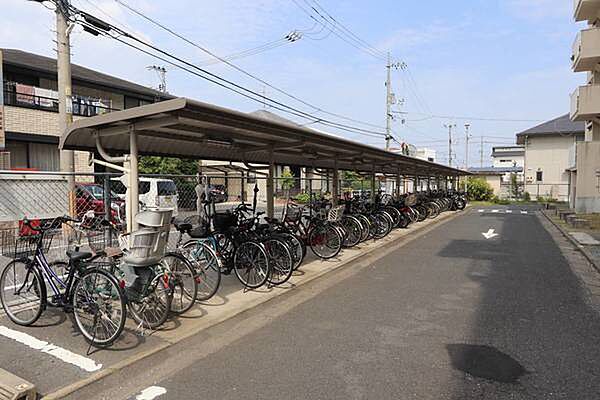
467,60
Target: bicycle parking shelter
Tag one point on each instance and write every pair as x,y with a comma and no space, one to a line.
191,129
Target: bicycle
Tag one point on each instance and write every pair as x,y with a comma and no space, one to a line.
91,293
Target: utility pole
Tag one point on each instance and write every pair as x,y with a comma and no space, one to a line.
388,105
450,126
467,126
390,100
65,101
481,152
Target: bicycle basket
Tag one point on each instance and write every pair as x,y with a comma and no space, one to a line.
335,214
293,213
199,231
15,246
410,200
223,221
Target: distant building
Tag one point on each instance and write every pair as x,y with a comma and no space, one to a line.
550,150
426,154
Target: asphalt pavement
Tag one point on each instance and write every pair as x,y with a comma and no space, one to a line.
486,306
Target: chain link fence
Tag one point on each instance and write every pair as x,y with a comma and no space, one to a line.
94,198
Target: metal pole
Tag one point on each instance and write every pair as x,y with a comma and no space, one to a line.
373,184
107,211
270,187
2,137
335,189
65,105
388,104
467,126
134,196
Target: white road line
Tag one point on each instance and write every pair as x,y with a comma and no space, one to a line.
65,355
495,211
523,212
509,211
151,393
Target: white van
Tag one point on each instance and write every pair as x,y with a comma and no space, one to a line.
154,192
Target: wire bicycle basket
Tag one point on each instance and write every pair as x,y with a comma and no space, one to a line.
15,246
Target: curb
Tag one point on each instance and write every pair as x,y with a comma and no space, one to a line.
581,248
120,365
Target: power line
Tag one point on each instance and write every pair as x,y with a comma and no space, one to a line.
432,116
202,48
332,27
213,78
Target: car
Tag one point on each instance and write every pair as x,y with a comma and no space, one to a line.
90,197
153,192
218,193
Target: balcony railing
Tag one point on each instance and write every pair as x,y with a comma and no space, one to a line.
82,106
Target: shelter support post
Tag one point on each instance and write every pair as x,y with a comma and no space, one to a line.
335,196
398,181
134,198
373,184
271,187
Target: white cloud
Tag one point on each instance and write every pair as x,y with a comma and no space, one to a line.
541,9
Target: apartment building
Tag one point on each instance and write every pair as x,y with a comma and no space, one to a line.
29,131
585,108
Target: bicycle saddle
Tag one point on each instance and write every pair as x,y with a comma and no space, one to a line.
79,255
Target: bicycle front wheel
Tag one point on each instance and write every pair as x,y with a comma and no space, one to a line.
99,307
251,265
22,292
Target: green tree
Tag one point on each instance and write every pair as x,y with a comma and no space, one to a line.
168,166
287,182
479,189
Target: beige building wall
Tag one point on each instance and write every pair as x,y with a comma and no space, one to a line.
587,194
550,155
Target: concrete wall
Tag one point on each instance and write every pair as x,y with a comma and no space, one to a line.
587,195
549,154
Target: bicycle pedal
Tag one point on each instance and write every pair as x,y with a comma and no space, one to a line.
68,308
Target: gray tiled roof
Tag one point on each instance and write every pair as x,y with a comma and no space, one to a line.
561,125
81,74
494,170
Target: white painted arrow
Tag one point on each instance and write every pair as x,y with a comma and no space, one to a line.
489,234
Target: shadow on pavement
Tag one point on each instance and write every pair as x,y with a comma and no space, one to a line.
532,316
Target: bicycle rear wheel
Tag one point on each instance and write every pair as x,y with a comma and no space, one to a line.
353,229
280,260
325,241
251,264
207,266
151,308
99,307
22,292
183,281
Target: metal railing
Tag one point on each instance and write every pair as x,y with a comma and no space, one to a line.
82,106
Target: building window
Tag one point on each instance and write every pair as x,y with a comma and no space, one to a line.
539,175
31,155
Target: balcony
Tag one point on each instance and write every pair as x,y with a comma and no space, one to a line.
18,95
586,50
586,10
585,103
